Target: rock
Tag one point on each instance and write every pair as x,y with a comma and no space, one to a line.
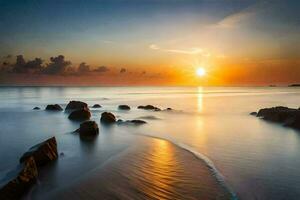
36,108
124,107
42,153
137,122
88,128
286,116
18,182
131,122
80,115
107,118
96,106
54,107
253,113
76,105
149,107
169,109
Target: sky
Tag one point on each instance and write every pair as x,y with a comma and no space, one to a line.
149,42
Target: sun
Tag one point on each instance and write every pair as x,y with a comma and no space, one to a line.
200,71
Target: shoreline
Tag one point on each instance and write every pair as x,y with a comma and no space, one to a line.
153,168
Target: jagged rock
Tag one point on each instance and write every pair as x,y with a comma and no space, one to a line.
76,105
88,128
124,107
54,107
80,115
284,115
18,182
42,153
107,118
96,106
36,108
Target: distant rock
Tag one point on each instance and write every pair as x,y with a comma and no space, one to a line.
169,109
96,106
131,122
286,116
76,105
107,118
124,107
80,115
88,128
36,108
54,107
42,153
19,181
137,122
149,107
253,113
295,85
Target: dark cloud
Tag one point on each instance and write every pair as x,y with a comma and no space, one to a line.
58,65
83,68
101,69
21,66
123,70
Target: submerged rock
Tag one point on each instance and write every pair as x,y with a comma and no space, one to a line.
149,107
80,115
18,182
36,108
287,116
54,107
107,118
76,105
96,106
253,113
124,107
42,153
88,128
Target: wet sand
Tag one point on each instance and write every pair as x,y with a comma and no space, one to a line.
150,169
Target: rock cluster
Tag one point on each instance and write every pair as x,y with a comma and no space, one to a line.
286,116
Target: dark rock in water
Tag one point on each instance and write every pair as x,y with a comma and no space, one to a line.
107,118
36,108
253,113
124,107
295,85
88,128
137,121
149,107
131,122
54,107
96,106
18,182
80,115
169,109
42,153
76,105
287,116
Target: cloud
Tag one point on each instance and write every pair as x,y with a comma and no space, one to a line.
190,51
101,69
58,65
123,70
83,68
21,66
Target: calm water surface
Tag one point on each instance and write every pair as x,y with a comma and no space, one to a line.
257,159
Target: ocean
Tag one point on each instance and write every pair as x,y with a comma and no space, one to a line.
248,157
